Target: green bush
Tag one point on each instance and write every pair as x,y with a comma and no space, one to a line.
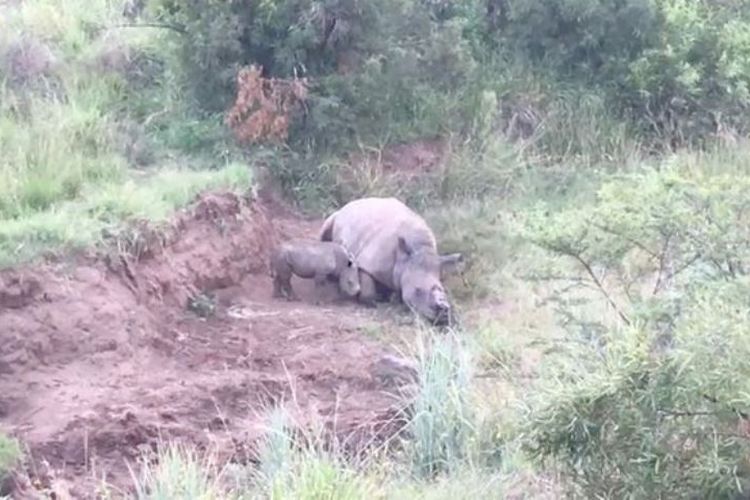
678,67
695,80
676,70
653,404
598,37
377,70
638,420
651,233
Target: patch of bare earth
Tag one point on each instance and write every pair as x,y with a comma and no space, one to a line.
101,360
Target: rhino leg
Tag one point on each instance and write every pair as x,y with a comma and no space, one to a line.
320,282
367,290
283,288
384,293
277,287
282,276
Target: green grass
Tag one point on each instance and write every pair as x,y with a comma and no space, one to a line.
442,427
10,455
180,473
55,149
79,223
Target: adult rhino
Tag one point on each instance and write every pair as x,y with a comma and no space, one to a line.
396,252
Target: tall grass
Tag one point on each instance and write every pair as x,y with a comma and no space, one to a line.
180,472
93,128
447,449
305,463
10,454
291,465
579,128
442,425
53,149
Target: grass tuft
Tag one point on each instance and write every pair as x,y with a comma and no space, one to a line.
180,472
10,455
442,426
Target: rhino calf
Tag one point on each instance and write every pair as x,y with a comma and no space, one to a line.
319,260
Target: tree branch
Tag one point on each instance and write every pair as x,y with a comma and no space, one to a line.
686,265
601,288
169,26
675,413
632,241
716,401
662,264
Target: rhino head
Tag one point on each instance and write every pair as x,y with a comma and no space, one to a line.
418,271
349,277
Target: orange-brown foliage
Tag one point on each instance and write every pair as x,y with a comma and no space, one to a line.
263,107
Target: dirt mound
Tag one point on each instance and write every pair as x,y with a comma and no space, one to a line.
102,359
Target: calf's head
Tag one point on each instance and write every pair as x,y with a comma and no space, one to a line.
349,277
418,271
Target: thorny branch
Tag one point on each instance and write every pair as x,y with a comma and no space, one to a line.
601,288
168,26
660,278
630,240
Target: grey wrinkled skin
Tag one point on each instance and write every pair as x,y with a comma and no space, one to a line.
396,251
311,259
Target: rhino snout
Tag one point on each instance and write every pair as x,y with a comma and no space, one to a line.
441,309
441,304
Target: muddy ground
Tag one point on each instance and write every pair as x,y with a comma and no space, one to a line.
101,357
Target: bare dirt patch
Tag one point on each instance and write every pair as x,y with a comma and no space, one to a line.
101,359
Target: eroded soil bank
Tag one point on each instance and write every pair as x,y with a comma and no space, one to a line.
101,358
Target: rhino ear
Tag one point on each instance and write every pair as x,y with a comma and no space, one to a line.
404,246
451,262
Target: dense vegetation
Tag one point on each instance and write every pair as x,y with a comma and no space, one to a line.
596,174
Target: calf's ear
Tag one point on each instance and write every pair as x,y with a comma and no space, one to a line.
451,263
351,262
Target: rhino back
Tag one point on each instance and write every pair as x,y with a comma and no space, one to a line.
308,258
370,227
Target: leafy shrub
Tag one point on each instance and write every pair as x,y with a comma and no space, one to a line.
695,80
658,406
651,232
640,421
679,67
375,70
293,36
594,36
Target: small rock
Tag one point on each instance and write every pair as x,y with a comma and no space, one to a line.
395,370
